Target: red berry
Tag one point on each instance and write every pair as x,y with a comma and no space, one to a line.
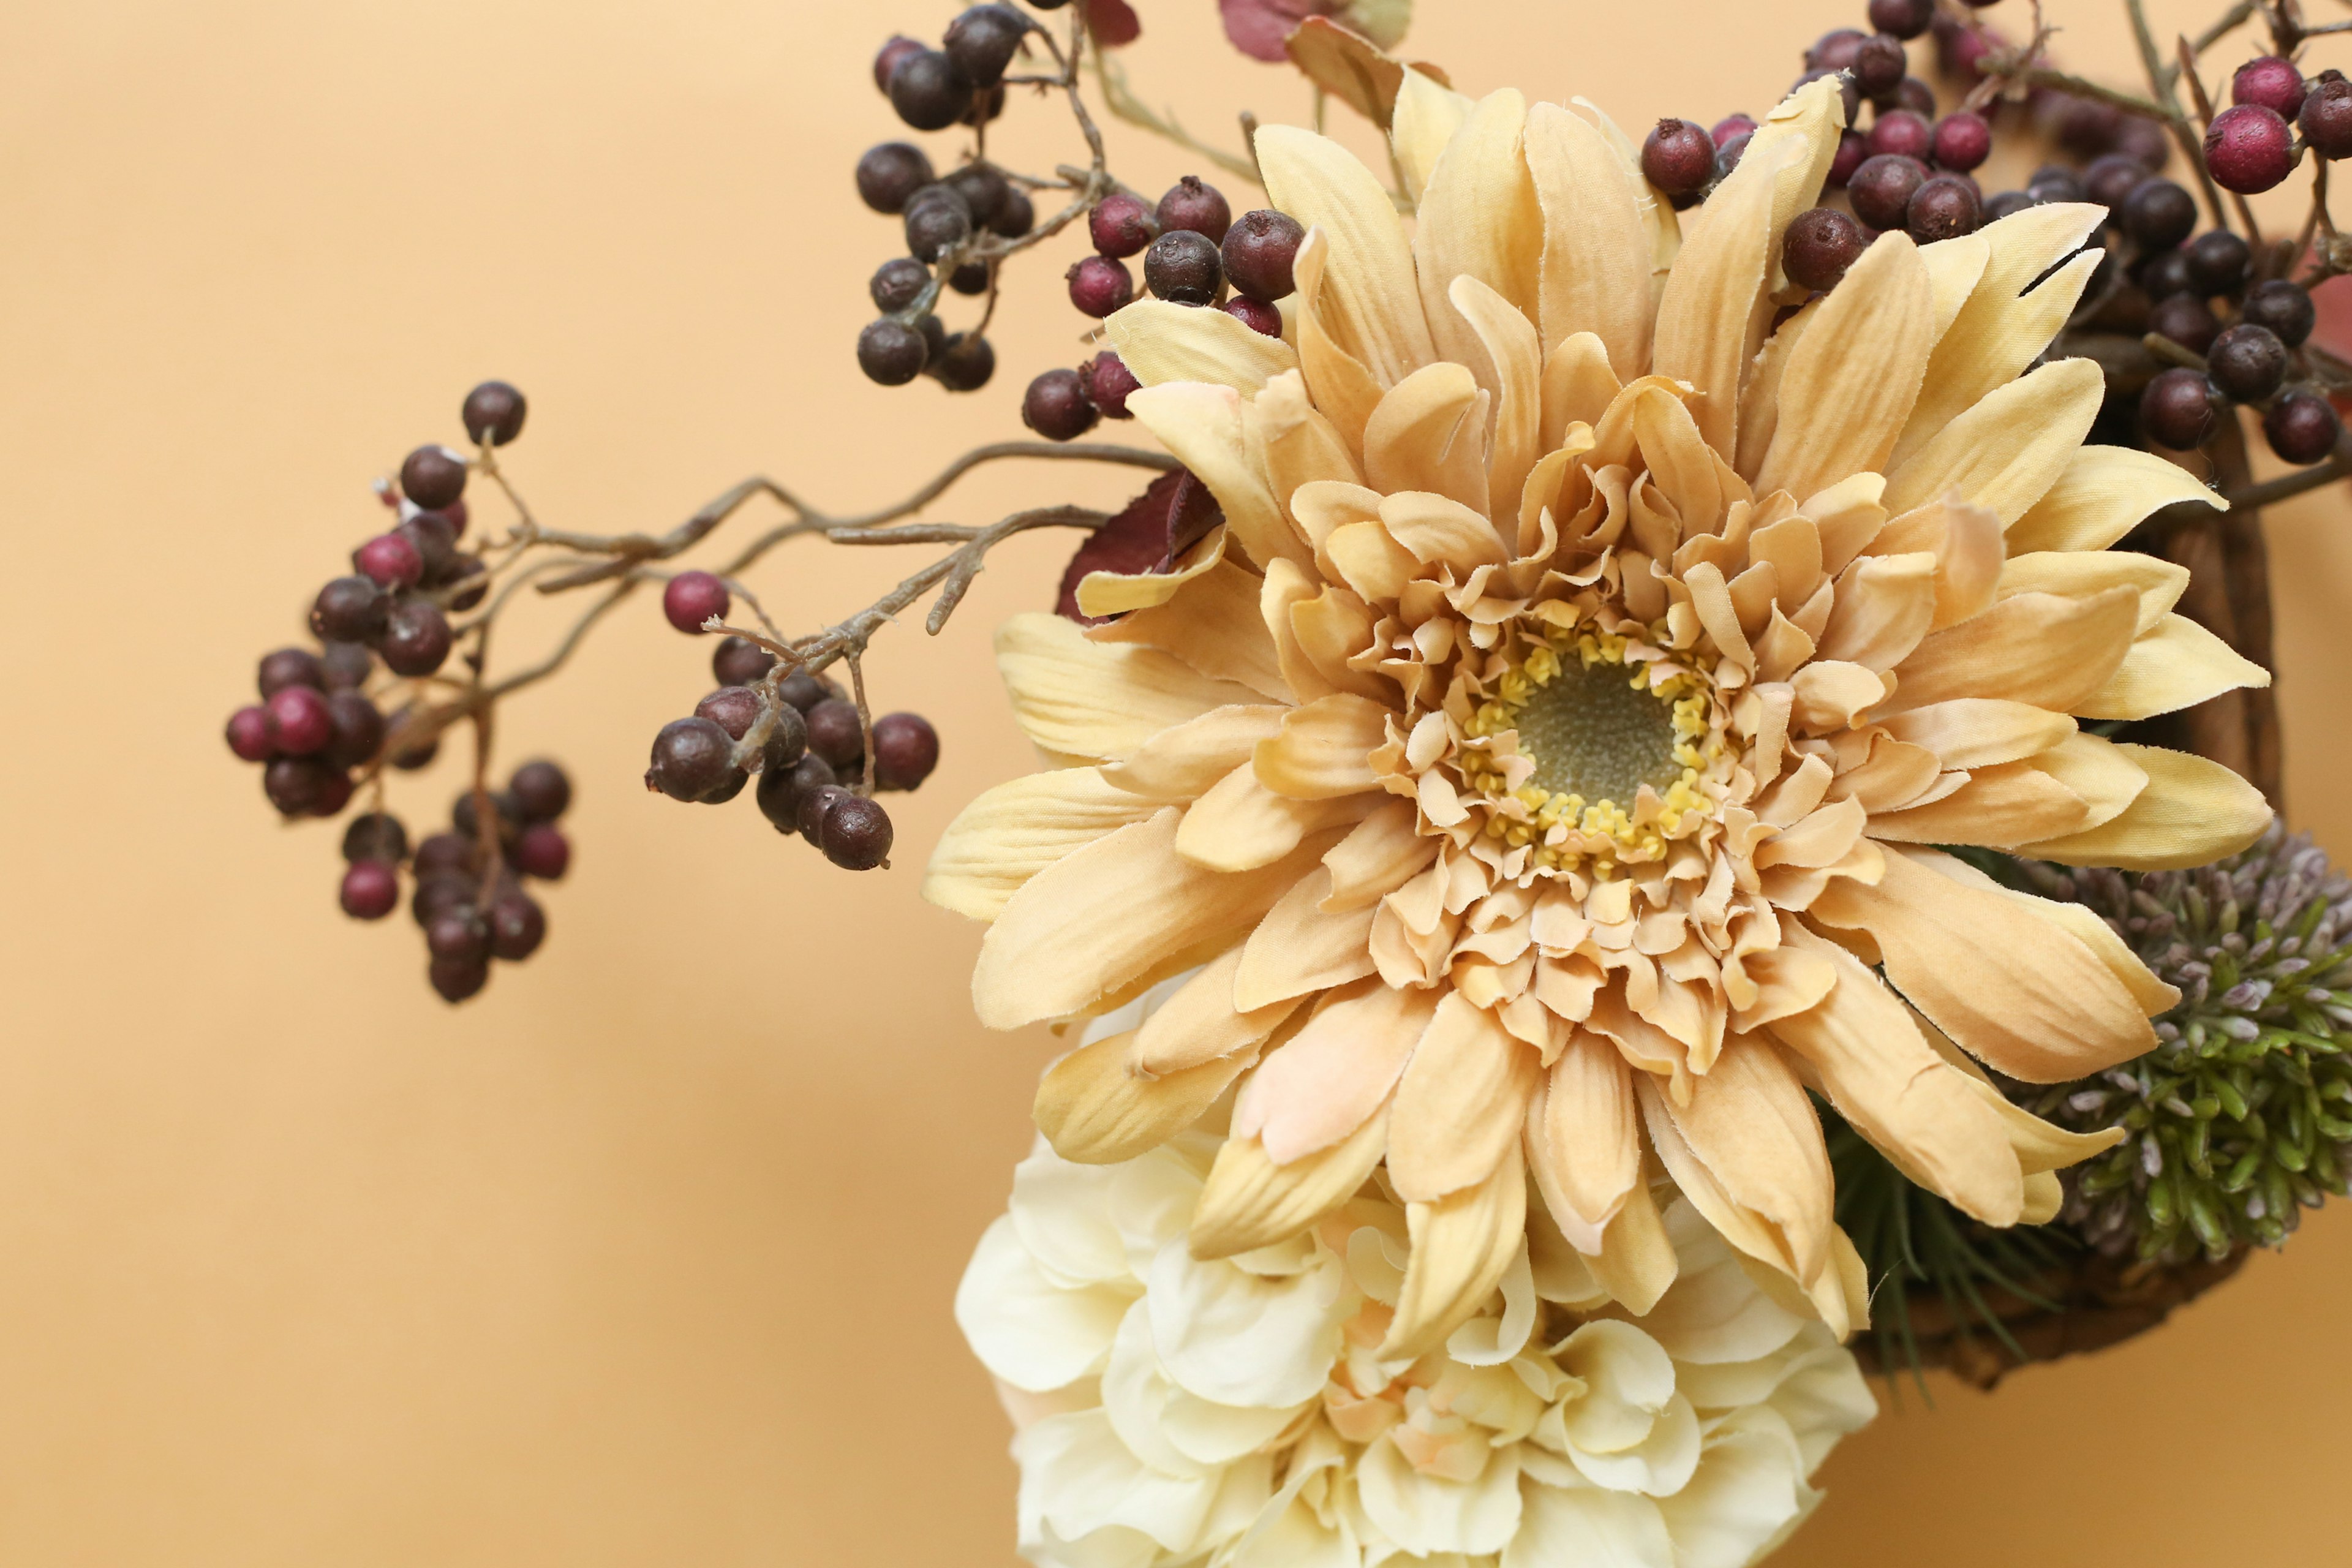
1677,157
693,597
2248,148
371,890
1190,204
1904,134
1881,189
1963,141
391,560
1259,253
1820,245
1729,126
1255,314
1108,382
252,734
1100,286
289,667
543,852
1852,150
1119,225
305,724
2271,81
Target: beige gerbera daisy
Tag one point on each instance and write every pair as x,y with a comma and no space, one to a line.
1542,763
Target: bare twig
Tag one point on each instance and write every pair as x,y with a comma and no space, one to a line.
1120,101
2160,82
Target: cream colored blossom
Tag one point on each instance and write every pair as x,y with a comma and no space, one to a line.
1239,1413
1543,766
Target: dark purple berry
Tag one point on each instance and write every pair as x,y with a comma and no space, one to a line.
928,91
464,814
804,691
733,709
972,278
2145,140
371,890
854,833
1015,216
252,734
1100,286
1055,406
1260,251
2087,127
2004,204
691,598
966,363
938,219
347,609
1820,245
983,188
1879,66
1108,382
981,42
2057,182
906,750
455,979
2325,120
888,173
835,732
2159,214
897,283
808,814
1728,155
2271,81
2283,305
446,855
1676,157
358,730
542,852
781,790
2301,427
518,925
303,722
416,638
787,738
1119,226
1943,208
2111,178
458,933
1881,189
890,352
986,105
2217,262
493,413
691,758
2178,409
1184,269
738,661
1903,133
1192,204
433,477
289,667
1835,49
2247,362
2248,148
436,545
346,665
1729,126
376,835
889,56
2187,319
1259,317
1904,18
469,581
1962,141
542,791
1915,96
2165,274
298,786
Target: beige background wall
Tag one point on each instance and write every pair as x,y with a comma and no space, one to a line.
644,1257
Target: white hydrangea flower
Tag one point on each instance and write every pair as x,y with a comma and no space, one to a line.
1234,1413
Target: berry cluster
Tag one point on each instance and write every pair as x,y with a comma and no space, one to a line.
319,730
817,763
1195,252
470,899
957,229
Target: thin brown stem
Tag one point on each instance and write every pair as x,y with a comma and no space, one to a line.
2160,82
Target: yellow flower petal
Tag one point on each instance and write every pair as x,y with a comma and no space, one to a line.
1181,762
1478,219
2007,451
1095,1111
1300,947
1429,433
1200,1023
1117,592
2192,813
1584,1140
1840,410
1749,1123
1511,347
1250,1202
1212,624
1461,1246
1426,118
2032,648
1240,824
1596,257
1009,834
2176,665
1369,300
1711,319
1335,1074
2103,493
1462,1104
1202,426
1077,697
1343,387
1980,731
1158,342
1325,749
2013,989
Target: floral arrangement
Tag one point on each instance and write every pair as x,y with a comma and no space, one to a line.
1667,793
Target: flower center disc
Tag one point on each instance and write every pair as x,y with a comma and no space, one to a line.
1590,734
